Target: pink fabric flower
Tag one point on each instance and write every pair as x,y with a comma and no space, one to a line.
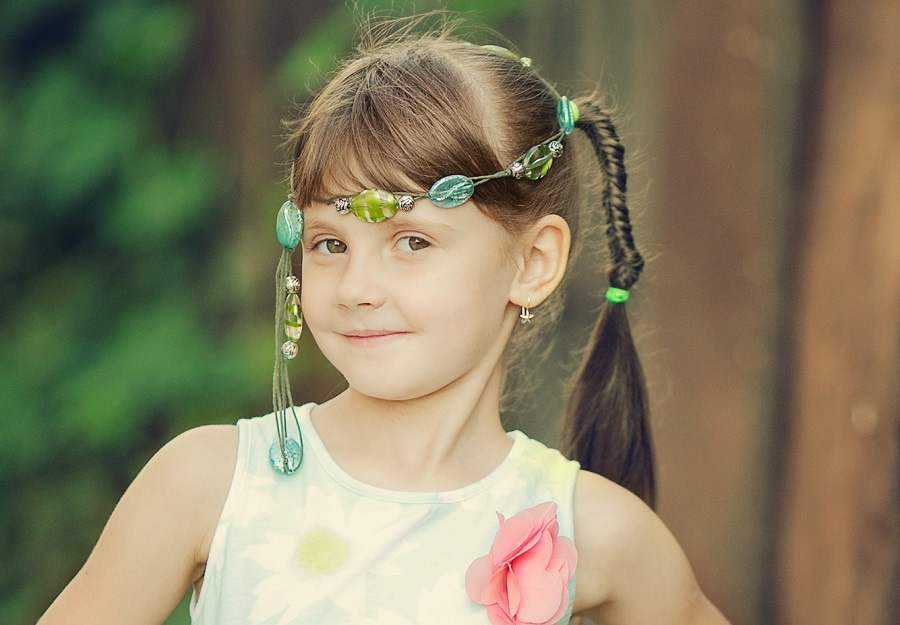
524,579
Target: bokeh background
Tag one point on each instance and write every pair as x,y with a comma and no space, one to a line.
139,179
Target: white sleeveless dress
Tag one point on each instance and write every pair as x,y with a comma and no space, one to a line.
321,548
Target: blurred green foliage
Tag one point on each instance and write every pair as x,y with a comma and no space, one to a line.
117,328
110,229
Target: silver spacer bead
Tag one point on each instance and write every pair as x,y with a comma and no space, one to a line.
406,202
517,169
556,148
289,350
342,205
525,61
292,284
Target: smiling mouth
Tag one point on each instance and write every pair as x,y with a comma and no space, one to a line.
364,334
372,337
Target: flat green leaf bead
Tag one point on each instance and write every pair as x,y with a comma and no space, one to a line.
451,191
567,114
537,162
373,205
289,225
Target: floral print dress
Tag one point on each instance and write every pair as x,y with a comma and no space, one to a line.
320,547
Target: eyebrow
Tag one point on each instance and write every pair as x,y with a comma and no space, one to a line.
405,220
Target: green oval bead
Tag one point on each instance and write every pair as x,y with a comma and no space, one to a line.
451,191
289,225
537,161
373,205
567,114
293,317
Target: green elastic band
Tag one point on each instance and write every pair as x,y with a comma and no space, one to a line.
616,295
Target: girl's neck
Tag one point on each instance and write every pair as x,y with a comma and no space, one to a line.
445,440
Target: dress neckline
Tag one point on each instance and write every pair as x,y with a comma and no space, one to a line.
314,444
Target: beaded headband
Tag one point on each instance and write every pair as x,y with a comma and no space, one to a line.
374,206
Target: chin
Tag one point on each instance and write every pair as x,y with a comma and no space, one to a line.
388,392
393,387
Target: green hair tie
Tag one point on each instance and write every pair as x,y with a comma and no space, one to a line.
616,295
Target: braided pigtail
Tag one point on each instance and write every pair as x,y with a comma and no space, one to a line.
606,423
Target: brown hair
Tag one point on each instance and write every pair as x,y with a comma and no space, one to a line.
410,108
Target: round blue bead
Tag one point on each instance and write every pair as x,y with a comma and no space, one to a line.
290,461
289,225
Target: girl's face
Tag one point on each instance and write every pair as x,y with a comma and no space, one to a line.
408,306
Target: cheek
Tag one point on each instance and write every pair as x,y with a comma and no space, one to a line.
313,299
475,300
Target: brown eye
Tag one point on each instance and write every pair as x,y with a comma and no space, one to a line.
331,246
412,244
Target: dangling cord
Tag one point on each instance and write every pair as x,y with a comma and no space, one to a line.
286,454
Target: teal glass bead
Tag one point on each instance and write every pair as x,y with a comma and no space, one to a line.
293,317
289,225
451,191
290,461
374,206
537,161
566,114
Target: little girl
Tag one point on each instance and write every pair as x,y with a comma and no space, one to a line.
434,198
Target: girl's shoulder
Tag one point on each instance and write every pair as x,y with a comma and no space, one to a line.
184,487
201,459
215,445
192,473
628,561
609,522
155,543
204,456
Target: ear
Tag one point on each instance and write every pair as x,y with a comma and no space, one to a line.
542,264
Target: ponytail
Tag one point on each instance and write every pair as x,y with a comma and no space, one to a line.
606,420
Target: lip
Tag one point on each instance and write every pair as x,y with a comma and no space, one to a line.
371,338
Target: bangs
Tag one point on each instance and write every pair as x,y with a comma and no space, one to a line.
399,122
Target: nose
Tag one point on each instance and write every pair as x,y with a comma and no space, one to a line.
358,283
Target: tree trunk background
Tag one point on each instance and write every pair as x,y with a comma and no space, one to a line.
715,305
839,560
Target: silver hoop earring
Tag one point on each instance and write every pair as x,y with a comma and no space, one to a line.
526,315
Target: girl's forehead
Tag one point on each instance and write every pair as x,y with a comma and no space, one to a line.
355,175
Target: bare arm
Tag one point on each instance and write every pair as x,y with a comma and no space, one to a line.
630,569
156,542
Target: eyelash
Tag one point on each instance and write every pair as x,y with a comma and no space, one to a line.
323,245
410,239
